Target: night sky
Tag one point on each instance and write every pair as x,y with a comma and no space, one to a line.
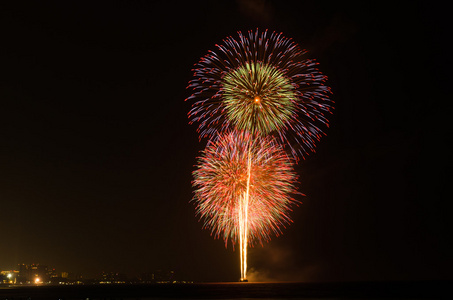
96,152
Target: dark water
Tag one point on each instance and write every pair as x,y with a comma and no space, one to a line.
358,290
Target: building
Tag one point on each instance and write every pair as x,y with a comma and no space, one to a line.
9,277
34,273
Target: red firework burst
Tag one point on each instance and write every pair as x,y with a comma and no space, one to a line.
234,164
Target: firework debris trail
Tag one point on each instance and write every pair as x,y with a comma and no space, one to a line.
252,98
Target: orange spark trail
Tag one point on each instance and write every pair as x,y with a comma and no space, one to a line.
243,222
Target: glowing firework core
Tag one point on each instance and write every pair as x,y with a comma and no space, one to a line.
267,88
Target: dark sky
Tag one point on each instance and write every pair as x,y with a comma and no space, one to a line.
96,152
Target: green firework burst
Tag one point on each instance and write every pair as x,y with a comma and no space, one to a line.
258,97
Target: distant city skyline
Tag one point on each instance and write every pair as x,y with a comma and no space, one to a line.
36,274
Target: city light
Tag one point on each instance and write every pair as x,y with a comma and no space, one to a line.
37,275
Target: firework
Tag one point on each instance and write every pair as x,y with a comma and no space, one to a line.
243,186
238,166
261,83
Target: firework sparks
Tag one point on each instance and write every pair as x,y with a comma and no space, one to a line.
243,187
262,83
253,96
